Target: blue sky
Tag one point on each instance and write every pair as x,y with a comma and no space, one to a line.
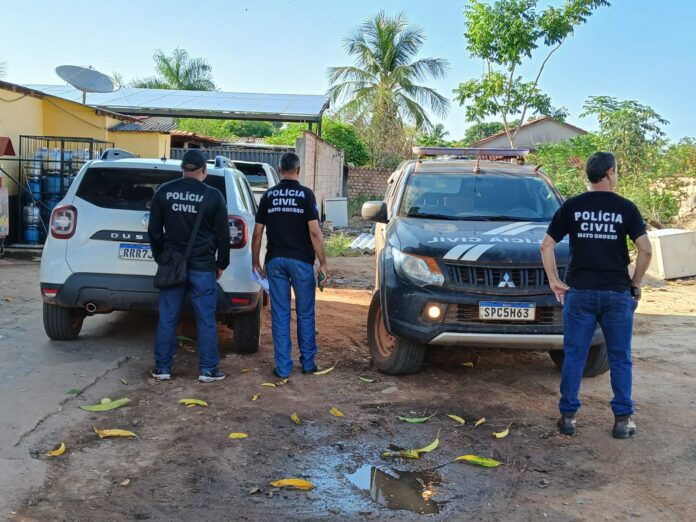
635,49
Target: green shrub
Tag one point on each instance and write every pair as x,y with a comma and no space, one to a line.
337,246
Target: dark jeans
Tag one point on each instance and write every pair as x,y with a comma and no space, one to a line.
282,274
582,310
202,288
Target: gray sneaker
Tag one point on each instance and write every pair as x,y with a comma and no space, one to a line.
624,427
211,376
566,424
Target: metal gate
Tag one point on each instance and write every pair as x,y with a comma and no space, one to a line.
259,156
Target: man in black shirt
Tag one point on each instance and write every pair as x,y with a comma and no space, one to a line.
289,214
175,206
599,288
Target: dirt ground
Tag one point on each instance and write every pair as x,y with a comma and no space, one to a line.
183,466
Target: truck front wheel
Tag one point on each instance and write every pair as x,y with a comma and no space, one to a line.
597,360
391,355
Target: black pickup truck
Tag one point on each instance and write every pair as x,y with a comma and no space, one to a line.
458,263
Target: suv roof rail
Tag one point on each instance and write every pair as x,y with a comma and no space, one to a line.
221,162
476,152
114,154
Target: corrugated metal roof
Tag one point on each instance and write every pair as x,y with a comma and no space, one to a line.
209,104
147,124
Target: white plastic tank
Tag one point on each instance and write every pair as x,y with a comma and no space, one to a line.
337,211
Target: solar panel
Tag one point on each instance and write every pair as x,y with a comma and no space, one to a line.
133,100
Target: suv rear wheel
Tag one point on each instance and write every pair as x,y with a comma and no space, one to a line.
597,360
247,330
62,324
391,355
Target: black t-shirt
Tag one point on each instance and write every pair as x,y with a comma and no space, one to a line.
173,215
285,210
598,223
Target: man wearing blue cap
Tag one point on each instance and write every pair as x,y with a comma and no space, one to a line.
173,222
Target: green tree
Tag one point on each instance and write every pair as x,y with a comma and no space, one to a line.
178,71
505,35
481,130
340,134
632,131
382,91
434,138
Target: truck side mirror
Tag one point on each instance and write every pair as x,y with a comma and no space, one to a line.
375,211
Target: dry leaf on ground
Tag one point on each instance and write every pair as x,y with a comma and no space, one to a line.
293,483
456,418
255,397
415,420
193,402
479,422
324,372
237,435
57,452
114,433
336,412
111,405
365,379
479,461
502,434
295,418
268,384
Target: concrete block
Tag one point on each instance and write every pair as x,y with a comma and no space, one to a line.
674,253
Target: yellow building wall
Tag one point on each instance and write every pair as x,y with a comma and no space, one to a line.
144,144
65,118
19,115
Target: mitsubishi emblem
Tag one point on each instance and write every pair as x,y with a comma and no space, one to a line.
506,281
145,220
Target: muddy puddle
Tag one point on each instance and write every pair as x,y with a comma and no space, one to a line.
399,490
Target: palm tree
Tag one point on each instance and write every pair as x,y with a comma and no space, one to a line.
384,75
180,72
434,138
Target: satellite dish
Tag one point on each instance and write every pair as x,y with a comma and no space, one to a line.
87,79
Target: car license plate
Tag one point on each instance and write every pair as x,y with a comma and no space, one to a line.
135,252
491,311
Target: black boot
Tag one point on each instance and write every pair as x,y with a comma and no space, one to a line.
624,427
566,424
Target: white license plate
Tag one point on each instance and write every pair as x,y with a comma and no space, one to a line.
491,311
135,252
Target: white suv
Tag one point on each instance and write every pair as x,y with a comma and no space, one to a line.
97,257
261,176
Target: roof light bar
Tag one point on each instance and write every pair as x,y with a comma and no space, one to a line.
472,152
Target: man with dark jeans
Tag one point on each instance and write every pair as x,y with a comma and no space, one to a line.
599,289
175,206
289,214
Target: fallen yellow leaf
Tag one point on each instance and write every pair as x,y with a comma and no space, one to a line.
468,363
415,420
124,482
479,422
255,397
293,483
502,434
111,405
324,372
236,435
114,433
479,461
456,418
430,447
244,370
404,454
57,452
336,412
295,418
281,382
268,384
193,402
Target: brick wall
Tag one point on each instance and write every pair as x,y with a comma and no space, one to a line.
363,181
321,167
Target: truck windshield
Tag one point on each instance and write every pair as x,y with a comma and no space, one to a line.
478,197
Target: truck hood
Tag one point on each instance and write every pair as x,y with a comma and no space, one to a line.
484,242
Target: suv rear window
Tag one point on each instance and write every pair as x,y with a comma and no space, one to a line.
255,174
130,189
479,197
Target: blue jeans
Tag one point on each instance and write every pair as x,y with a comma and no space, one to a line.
202,288
582,310
283,273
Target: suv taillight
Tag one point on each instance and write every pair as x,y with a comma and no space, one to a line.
63,222
238,232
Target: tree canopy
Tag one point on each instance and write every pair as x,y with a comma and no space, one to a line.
178,71
505,35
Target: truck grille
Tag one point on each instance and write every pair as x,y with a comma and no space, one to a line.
491,277
469,314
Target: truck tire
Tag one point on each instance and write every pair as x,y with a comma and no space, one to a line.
391,355
247,331
60,323
597,360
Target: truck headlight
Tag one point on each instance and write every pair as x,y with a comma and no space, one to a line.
420,270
